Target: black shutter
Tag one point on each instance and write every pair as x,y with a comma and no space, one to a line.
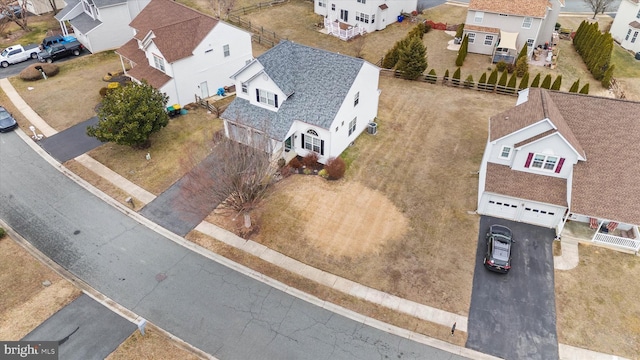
276,98
302,143
321,147
257,95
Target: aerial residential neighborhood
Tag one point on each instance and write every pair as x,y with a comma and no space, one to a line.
315,179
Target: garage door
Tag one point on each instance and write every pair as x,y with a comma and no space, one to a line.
539,214
520,210
501,207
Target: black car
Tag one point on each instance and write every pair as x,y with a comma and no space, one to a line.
499,244
7,122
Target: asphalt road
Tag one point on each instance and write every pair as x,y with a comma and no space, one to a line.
513,316
209,305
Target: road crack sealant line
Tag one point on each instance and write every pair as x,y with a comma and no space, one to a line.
392,329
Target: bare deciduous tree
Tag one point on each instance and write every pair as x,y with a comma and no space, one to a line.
598,6
222,7
10,14
235,175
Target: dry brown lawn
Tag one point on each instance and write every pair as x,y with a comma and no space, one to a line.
24,301
597,302
69,97
174,150
153,345
407,191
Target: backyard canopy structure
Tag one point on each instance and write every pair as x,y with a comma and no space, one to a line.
506,50
508,40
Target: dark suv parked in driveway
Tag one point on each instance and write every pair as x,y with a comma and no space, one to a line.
499,244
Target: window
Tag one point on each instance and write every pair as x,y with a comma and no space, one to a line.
322,4
478,18
356,99
245,88
225,49
488,40
530,42
526,23
333,7
472,37
635,35
544,162
373,19
638,15
352,125
628,34
365,18
505,152
312,141
357,16
362,1
158,62
266,97
505,15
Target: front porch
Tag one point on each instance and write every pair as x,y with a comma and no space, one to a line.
342,30
623,237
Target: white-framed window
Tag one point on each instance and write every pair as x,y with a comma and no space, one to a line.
526,23
472,37
352,125
158,62
357,16
478,17
245,88
362,1
365,18
505,152
530,42
333,7
312,141
356,99
322,4
544,162
488,39
267,97
638,15
635,35
628,34
225,49
373,18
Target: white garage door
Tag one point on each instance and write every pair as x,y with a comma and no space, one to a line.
521,210
502,207
540,214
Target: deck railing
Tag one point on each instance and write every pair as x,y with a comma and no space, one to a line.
618,241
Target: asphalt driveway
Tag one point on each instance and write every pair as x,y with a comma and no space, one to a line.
513,316
71,142
84,330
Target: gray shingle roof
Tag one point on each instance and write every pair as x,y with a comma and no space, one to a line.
105,3
84,23
71,4
317,82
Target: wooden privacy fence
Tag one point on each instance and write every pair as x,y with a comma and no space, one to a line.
461,83
247,9
216,110
260,34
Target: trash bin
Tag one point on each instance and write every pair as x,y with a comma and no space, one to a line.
400,18
372,128
638,55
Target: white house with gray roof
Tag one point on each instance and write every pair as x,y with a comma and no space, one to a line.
626,25
100,24
304,100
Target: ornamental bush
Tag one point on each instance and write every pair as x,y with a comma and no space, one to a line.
336,168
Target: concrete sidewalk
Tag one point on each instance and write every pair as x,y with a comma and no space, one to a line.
352,288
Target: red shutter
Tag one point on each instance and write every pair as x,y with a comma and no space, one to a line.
559,167
529,158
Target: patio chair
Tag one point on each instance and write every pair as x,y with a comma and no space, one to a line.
593,223
612,226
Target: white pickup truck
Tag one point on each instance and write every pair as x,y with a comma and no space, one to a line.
17,53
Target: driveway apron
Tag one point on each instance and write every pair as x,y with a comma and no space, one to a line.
84,330
71,142
187,202
513,316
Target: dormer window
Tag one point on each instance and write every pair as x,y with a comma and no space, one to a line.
267,97
505,152
158,63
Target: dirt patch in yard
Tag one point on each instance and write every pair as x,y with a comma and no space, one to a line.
366,221
597,302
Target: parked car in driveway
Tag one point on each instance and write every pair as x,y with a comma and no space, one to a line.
59,51
18,53
499,244
7,122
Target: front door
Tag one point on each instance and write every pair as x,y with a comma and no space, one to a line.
344,15
204,90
